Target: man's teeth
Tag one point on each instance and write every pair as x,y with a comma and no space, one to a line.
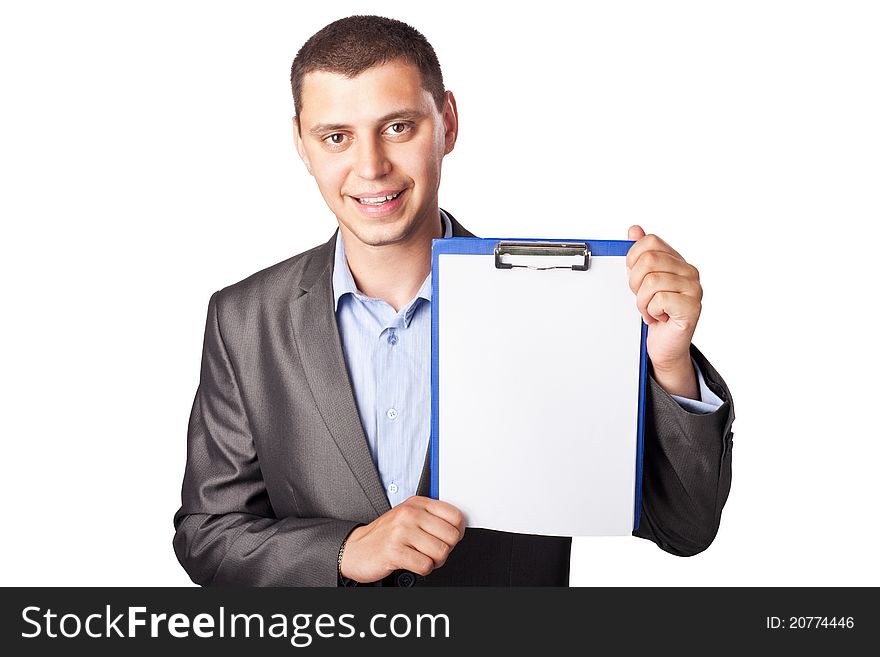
378,200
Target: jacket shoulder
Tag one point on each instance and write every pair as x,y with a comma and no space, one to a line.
278,283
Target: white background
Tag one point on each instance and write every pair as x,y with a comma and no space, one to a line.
147,161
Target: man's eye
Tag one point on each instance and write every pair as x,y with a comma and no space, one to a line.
336,139
398,129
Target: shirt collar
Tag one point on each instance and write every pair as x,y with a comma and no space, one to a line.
343,281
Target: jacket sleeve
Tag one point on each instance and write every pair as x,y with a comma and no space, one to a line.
226,531
686,468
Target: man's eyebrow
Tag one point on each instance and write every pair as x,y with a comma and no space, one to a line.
403,115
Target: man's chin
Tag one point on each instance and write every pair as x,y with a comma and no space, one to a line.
382,235
381,240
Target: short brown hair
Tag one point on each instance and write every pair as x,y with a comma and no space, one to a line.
352,45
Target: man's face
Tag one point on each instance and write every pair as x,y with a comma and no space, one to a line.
375,144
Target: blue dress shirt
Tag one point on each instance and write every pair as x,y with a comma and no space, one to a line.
388,355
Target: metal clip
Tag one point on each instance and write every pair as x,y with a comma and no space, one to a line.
515,254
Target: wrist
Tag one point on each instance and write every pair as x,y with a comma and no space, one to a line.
677,378
346,581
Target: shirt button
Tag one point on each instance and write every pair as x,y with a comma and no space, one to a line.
392,488
392,413
393,339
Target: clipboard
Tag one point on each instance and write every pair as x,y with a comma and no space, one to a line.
538,377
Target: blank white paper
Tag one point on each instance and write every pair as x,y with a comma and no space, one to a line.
538,387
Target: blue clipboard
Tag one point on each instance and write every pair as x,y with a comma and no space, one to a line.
490,247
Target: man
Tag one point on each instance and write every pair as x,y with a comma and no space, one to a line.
297,473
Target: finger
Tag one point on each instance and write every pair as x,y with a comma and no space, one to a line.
444,510
681,309
439,528
648,243
408,558
655,282
635,233
659,261
431,546
440,509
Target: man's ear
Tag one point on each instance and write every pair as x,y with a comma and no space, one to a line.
450,123
300,147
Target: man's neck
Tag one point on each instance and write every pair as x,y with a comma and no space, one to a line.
393,272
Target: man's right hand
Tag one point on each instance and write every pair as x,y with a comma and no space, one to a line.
416,535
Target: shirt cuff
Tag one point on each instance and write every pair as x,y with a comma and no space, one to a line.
708,401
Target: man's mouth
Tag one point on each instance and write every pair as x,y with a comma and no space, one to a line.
377,200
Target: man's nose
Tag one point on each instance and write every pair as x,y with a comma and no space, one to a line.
372,160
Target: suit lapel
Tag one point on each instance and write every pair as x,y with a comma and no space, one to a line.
317,337
316,333
457,229
424,488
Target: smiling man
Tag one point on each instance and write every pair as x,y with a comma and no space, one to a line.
309,431
375,143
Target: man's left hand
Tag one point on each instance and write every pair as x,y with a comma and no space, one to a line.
669,297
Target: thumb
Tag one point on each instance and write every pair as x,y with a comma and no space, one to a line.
635,233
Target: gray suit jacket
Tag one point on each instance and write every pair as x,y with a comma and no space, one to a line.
279,471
